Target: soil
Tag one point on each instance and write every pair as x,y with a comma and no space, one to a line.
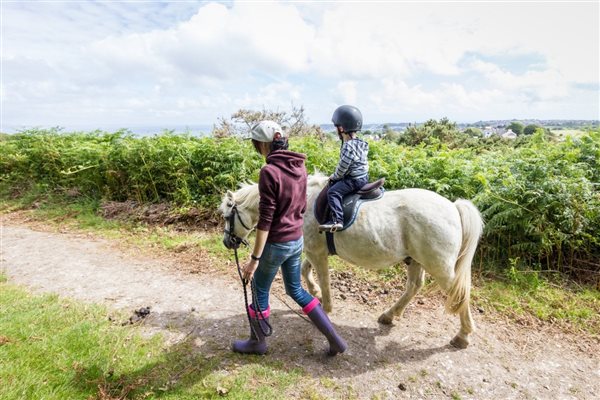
183,295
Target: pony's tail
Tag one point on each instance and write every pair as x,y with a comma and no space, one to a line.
472,228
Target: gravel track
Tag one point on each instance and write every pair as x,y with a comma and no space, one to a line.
411,359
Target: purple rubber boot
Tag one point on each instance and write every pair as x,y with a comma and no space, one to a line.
318,316
257,343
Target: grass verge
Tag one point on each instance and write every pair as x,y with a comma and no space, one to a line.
53,348
547,299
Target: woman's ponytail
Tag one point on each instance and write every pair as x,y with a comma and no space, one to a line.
280,143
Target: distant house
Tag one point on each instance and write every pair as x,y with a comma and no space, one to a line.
508,134
488,131
498,131
372,136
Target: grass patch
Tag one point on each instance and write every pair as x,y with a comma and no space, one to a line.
53,348
544,298
80,212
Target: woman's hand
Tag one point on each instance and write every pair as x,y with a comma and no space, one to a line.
251,265
248,269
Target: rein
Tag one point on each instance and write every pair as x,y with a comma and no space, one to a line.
235,211
269,329
237,241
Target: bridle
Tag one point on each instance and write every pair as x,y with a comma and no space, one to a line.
234,240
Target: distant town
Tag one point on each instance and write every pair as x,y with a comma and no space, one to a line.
487,128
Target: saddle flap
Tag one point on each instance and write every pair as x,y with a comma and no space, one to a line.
370,187
322,206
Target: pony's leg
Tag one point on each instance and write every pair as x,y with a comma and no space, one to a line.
461,340
311,284
414,283
321,265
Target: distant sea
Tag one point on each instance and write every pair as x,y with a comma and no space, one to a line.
149,130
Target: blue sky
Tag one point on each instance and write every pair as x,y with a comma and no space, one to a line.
103,64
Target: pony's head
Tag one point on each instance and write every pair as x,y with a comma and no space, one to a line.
240,210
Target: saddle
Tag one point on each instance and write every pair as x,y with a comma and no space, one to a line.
350,203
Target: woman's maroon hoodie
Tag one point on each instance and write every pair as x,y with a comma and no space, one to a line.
282,188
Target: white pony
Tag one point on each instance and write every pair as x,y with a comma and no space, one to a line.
419,227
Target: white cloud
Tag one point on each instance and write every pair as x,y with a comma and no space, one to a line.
274,96
345,93
218,42
545,85
97,61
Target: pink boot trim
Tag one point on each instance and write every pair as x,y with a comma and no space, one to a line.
254,314
310,306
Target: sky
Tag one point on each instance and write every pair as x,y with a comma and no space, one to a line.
107,64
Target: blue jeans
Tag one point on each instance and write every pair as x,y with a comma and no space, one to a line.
338,190
288,256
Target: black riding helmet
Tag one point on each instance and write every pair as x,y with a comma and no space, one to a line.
348,117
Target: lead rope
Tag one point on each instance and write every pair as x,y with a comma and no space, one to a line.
269,329
293,310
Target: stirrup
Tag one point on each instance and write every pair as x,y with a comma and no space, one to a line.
333,227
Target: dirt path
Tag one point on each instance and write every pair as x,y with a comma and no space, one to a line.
504,361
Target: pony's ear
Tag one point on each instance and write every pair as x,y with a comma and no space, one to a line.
230,195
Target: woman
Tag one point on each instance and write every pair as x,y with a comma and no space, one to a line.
279,240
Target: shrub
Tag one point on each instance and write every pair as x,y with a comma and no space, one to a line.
540,198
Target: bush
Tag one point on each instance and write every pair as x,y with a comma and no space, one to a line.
540,199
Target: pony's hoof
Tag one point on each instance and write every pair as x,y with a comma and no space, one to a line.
327,308
385,319
459,342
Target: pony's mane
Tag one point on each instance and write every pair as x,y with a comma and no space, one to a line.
317,180
247,196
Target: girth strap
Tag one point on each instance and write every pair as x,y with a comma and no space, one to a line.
330,243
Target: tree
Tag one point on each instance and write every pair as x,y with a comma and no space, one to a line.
516,127
389,134
474,132
530,129
443,130
241,122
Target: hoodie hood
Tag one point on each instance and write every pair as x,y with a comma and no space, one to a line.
289,162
